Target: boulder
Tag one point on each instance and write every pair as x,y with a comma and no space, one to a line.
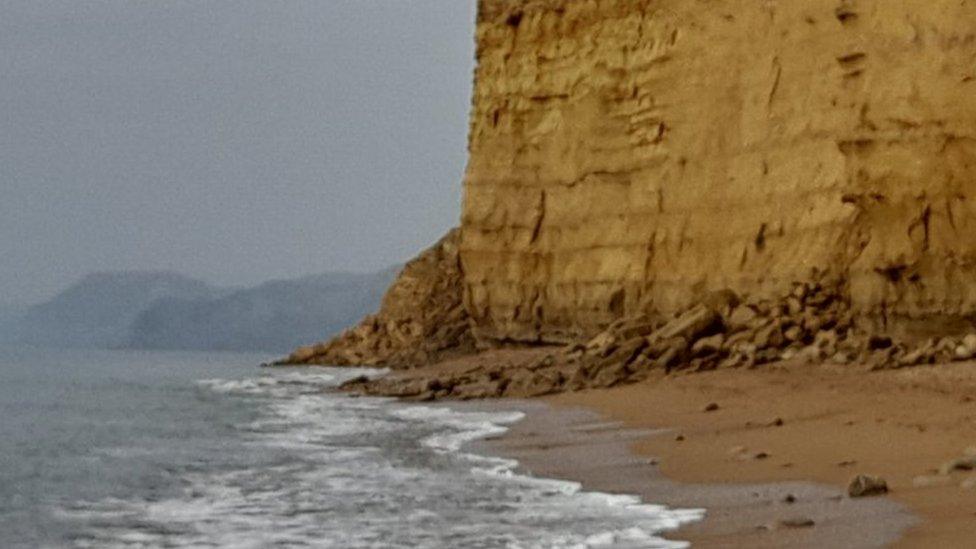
742,318
708,345
698,321
866,485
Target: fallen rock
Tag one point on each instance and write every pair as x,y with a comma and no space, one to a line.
708,345
866,485
699,321
797,522
967,463
711,407
742,318
970,343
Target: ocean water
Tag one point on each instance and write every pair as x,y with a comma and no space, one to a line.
131,449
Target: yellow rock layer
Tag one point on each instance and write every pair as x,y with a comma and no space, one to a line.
629,155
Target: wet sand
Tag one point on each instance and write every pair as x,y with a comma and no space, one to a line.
741,465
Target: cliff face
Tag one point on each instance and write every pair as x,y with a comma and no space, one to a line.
631,155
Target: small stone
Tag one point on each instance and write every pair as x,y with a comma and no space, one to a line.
810,354
708,345
963,352
679,438
770,336
793,333
970,342
738,451
712,407
946,345
602,340
841,358
789,499
866,485
799,522
800,291
778,422
742,317
826,339
878,342
913,358
761,456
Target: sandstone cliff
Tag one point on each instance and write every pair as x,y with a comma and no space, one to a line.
630,155
631,158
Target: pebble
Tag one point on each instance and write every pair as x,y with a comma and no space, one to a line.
866,485
798,522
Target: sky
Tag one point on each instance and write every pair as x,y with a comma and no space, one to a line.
231,140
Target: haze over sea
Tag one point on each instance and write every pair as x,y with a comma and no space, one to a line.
137,449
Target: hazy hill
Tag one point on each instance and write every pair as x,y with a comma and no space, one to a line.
276,316
162,310
98,310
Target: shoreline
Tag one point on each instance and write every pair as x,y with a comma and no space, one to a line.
814,425
566,441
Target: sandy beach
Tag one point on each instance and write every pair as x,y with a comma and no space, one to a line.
768,451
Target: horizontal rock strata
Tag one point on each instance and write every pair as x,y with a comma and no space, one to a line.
634,154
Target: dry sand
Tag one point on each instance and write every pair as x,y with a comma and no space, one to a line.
836,422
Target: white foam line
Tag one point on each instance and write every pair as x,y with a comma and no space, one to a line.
470,426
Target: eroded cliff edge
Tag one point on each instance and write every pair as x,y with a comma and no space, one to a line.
631,158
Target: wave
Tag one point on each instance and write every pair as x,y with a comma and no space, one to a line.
306,466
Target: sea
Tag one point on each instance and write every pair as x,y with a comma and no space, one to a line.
126,449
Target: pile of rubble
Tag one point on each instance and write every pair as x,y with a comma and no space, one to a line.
422,319
812,324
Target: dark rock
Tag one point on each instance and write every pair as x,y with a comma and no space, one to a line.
878,342
712,407
961,464
866,485
799,522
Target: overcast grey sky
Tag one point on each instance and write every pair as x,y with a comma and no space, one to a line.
235,141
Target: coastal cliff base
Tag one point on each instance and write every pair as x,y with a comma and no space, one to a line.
812,324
